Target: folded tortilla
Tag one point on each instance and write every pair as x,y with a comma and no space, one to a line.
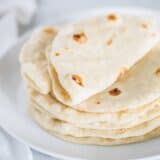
91,55
138,87
33,61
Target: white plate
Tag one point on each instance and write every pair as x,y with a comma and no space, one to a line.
15,120
13,150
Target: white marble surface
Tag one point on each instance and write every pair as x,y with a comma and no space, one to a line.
50,10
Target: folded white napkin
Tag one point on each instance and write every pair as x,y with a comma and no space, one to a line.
24,10
13,13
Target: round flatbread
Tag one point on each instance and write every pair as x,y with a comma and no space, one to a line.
33,61
90,55
69,129
93,140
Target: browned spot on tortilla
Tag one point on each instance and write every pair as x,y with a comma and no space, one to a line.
112,17
158,72
144,25
77,79
109,42
115,92
49,30
64,94
80,37
57,54
55,120
122,130
98,102
122,72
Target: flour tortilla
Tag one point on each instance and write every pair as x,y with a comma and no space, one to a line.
93,53
37,75
139,86
68,129
102,141
125,119
32,58
93,140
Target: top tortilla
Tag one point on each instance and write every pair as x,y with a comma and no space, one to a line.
89,56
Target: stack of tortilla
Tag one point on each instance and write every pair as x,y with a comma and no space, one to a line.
96,81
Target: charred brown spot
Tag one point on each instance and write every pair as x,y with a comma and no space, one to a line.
122,130
111,17
98,102
77,79
55,120
109,42
57,54
122,72
64,94
80,37
49,30
115,92
144,25
158,72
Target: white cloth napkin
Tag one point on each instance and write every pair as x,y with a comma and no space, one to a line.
13,13
23,10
